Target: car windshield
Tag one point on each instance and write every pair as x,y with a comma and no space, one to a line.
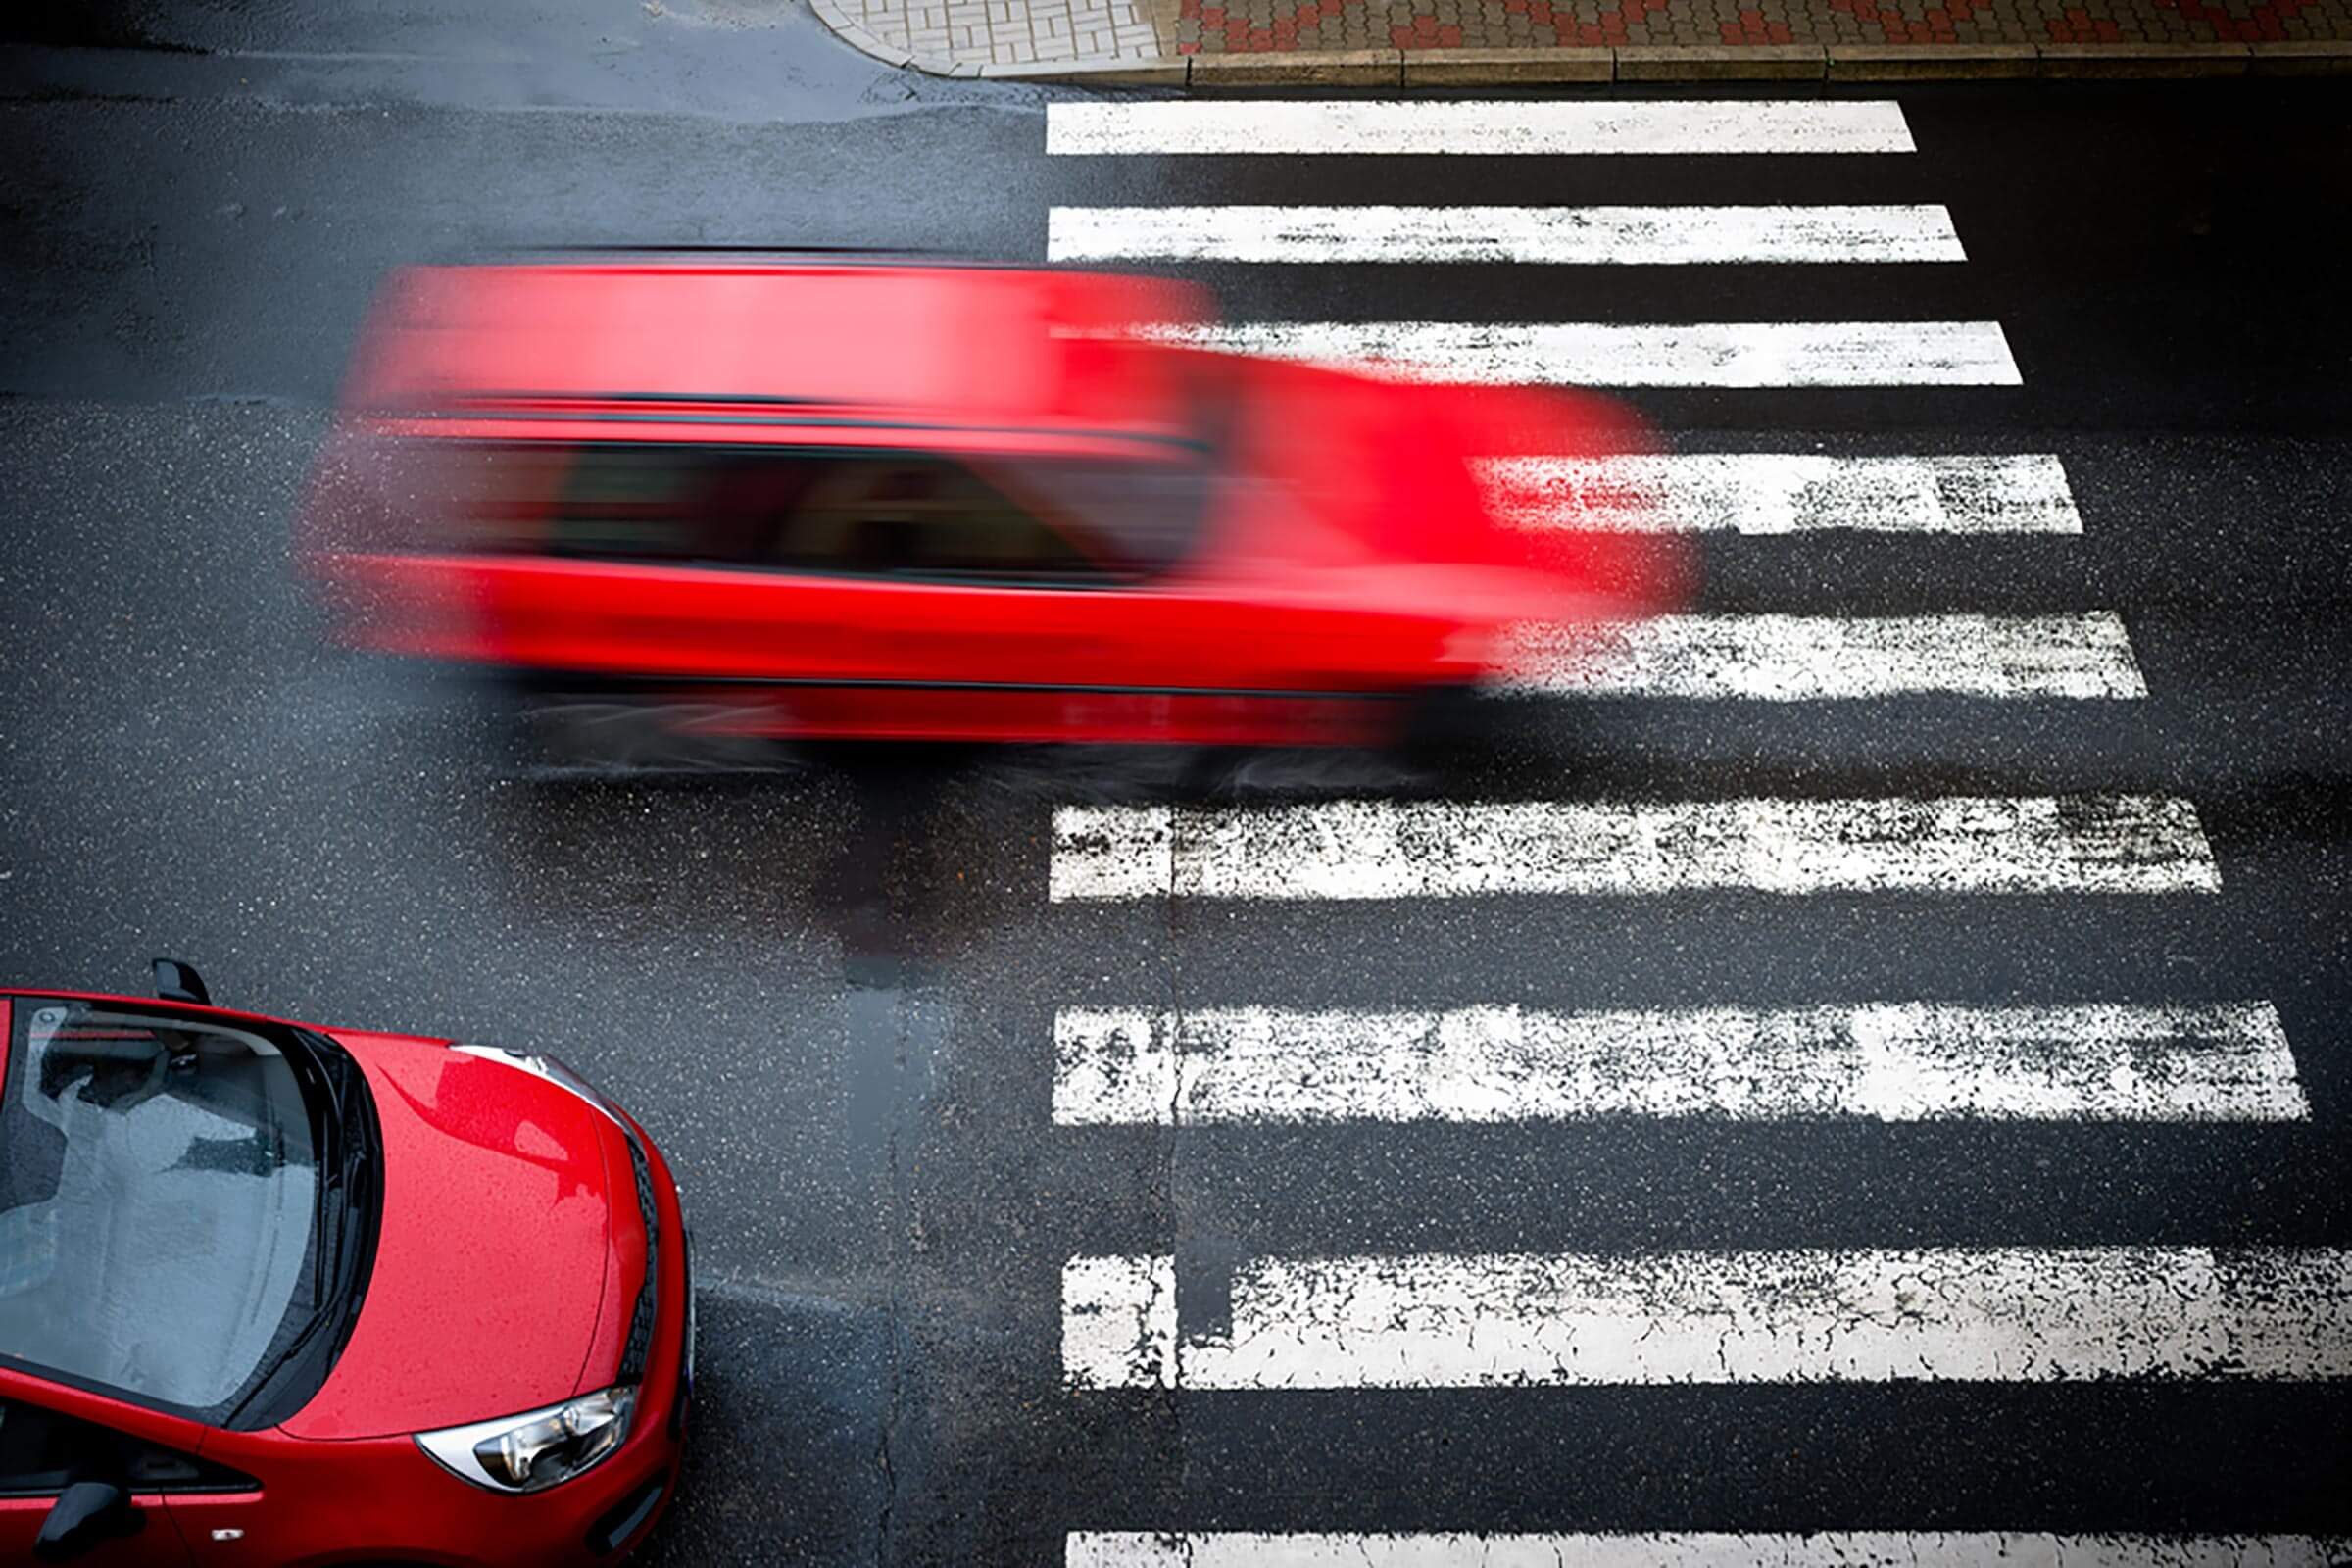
159,1202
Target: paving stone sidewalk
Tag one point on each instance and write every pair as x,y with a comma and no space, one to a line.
1009,37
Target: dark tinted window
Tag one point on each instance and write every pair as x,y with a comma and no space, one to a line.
43,1451
680,504
923,517
159,1202
1148,513
912,515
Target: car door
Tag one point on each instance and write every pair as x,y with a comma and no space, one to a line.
631,560
1065,595
844,591
57,1445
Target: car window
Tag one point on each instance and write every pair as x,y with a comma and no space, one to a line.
1148,513
1001,518
893,516
159,1202
660,503
43,1451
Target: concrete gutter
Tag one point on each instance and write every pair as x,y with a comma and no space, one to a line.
1522,68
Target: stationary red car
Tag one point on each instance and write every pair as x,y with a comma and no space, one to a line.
275,1294
862,498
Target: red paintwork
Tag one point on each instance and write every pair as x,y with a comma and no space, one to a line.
1348,556
456,1320
507,1262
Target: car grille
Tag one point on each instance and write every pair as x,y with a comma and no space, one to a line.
640,1343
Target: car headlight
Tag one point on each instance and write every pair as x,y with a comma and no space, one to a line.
539,1448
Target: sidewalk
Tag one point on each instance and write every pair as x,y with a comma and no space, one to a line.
1467,42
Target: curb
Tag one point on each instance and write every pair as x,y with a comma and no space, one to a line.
1648,64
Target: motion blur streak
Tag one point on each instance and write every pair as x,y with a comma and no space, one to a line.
766,496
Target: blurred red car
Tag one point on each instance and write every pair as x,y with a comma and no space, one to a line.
867,499
271,1295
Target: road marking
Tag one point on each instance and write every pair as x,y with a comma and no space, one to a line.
1433,849
1840,1549
1118,1321
1623,354
1822,658
1584,236
2019,1314
1784,492
1483,127
1888,1061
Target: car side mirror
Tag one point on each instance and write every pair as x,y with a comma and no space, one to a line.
85,1515
175,981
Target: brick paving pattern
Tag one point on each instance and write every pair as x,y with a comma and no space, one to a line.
1212,26
1011,33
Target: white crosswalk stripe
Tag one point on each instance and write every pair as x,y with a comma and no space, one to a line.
1590,236
1890,1061
1617,354
1462,1060
1422,850
1826,1549
1473,127
2022,1314
1784,492
1817,657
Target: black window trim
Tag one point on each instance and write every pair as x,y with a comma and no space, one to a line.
214,1479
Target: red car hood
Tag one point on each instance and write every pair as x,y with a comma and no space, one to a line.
1383,473
491,1265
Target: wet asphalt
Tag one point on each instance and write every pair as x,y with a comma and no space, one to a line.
828,990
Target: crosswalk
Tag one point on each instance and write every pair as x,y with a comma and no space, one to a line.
1822,658
1890,1061
1512,1320
1381,849
1636,354
1473,129
1437,1050
1784,492
1592,236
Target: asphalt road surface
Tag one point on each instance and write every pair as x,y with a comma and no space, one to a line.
1882,1076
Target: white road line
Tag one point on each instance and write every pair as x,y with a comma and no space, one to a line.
1428,849
1623,354
1583,236
1784,492
1819,658
1890,1061
2018,1314
1359,126
1835,1549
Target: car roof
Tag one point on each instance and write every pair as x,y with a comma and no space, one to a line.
999,346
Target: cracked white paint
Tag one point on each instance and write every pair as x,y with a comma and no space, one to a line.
1361,126
1784,492
1585,237
1829,1548
1630,354
1118,1316
1430,849
1823,658
1992,1314
1892,1062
